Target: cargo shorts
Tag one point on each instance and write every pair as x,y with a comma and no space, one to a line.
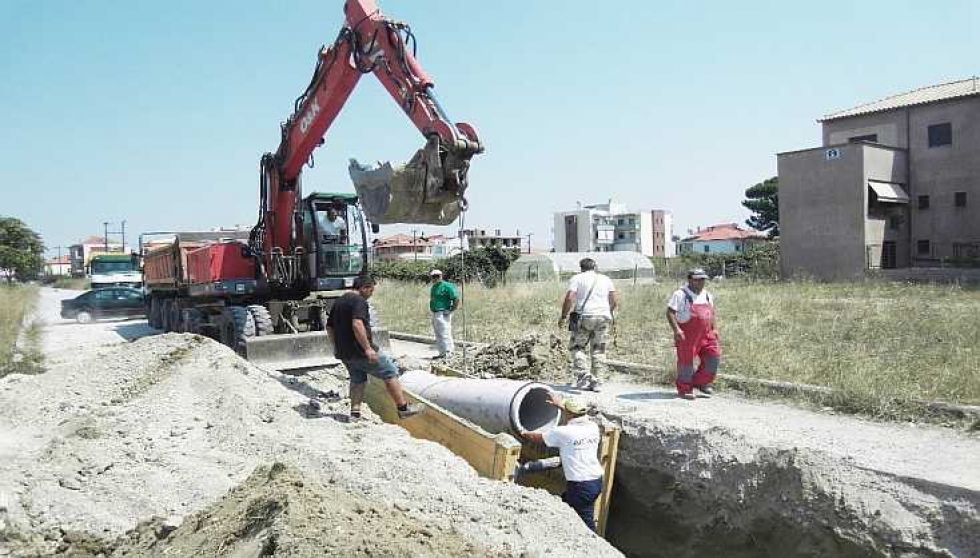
359,368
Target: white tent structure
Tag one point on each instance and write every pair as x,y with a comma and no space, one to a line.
554,266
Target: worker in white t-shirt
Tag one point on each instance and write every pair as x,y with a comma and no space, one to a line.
691,315
589,304
333,227
578,450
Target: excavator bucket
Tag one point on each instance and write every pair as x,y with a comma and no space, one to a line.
298,351
428,189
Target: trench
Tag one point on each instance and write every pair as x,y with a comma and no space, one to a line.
675,496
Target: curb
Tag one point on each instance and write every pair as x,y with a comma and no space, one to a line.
775,386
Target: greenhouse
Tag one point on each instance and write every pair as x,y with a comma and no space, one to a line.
554,266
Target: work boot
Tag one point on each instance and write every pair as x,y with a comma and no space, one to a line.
706,390
410,410
581,380
594,384
689,396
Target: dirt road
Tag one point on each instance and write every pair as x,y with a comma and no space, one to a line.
123,427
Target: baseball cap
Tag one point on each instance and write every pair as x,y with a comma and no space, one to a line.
696,273
435,272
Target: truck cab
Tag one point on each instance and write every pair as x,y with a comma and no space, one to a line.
335,240
115,270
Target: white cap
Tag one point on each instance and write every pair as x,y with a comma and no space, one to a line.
435,272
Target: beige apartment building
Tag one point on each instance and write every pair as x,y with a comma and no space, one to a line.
896,184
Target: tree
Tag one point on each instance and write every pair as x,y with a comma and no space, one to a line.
763,200
21,250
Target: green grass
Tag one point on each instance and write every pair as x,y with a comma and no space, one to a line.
881,346
16,301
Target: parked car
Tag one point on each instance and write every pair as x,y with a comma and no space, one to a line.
114,302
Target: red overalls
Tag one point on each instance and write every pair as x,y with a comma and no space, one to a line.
699,341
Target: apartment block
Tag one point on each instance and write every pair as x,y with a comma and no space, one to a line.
612,227
896,184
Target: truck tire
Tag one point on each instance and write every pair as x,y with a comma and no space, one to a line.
165,315
154,317
262,319
191,319
240,326
176,317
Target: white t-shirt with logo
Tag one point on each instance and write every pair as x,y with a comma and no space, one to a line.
578,446
678,302
598,303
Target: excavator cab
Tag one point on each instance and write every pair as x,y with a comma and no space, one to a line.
335,234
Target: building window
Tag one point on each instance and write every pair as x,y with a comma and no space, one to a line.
959,199
922,248
706,248
894,222
738,247
924,201
873,138
940,134
620,236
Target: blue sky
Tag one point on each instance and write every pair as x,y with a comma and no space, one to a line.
158,112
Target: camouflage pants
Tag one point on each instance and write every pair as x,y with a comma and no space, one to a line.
587,343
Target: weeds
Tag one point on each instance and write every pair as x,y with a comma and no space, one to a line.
882,347
16,302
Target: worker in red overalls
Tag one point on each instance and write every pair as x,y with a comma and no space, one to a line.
691,315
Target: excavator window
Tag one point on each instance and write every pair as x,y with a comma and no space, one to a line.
339,239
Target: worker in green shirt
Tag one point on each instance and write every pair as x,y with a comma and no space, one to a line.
443,300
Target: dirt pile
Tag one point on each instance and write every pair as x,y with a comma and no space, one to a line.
535,356
166,426
279,511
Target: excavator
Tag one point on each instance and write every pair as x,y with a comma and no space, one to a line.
267,293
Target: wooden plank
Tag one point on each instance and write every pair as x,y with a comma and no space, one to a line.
608,452
492,456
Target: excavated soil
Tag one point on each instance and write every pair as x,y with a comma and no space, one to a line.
280,512
173,426
535,356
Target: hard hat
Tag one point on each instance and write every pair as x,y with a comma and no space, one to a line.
435,272
696,273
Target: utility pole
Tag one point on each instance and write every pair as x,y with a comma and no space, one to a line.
123,231
105,235
529,235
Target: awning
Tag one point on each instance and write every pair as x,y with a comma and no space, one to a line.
889,192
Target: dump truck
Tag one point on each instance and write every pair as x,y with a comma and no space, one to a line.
267,291
115,270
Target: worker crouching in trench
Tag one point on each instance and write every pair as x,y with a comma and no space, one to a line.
578,455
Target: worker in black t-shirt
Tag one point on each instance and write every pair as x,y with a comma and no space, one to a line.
349,328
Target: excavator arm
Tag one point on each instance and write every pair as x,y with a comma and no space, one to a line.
427,190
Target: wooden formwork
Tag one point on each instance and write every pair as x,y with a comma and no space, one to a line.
493,456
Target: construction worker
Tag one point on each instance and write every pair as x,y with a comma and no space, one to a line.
691,315
333,227
443,301
349,328
578,451
594,299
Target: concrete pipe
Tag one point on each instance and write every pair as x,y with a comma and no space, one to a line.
497,405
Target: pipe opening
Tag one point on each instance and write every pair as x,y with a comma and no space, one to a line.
533,412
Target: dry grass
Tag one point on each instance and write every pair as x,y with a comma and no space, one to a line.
880,345
16,301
